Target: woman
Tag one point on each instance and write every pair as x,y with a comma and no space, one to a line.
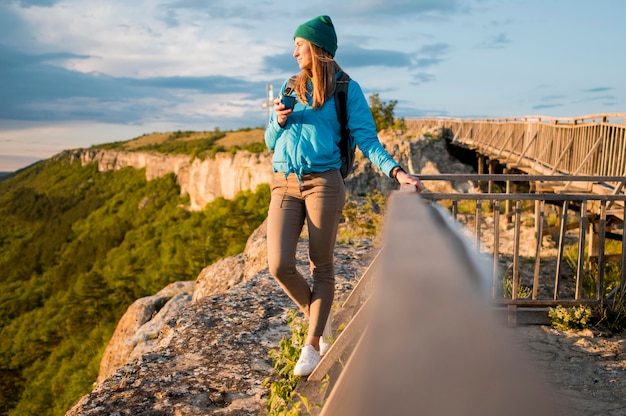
307,185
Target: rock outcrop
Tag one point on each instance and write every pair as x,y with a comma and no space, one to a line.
212,356
140,326
203,180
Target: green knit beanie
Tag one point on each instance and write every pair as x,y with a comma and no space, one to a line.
320,32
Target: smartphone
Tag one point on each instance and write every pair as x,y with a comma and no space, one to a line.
288,101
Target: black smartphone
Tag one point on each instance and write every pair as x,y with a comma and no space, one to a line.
288,101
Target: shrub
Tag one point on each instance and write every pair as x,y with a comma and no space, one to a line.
506,288
613,313
570,319
362,217
383,113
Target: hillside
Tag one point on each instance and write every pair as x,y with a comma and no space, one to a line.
77,247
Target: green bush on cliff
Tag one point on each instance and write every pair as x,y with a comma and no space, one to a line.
77,247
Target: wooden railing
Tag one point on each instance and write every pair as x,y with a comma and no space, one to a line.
586,145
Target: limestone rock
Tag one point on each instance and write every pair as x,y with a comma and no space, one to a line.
428,154
203,180
133,331
220,277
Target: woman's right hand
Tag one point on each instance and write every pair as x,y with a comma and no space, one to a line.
281,112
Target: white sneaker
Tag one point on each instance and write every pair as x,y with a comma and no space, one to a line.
324,345
309,359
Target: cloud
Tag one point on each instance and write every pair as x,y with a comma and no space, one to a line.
546,106
422,78
553,98
355,56
598,89
216,84
35,90
431,55
37,3
398,8
349,56
498,41
550,101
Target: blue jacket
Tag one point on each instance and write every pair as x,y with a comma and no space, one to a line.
309,142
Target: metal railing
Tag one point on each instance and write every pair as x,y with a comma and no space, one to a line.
572,211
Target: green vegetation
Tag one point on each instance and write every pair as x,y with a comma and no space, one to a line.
198,148
570,319
506,288
198,145
613,313
281,400
612,269
383,114
285,357
77,247
362,217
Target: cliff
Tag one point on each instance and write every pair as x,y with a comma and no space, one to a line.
226,174
203,180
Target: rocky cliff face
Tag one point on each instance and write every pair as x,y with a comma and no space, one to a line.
226,173
203,180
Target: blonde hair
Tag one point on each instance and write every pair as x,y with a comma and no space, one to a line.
323,71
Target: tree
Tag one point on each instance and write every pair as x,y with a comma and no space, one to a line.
383,113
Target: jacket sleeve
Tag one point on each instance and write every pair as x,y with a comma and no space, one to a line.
272,132
363,130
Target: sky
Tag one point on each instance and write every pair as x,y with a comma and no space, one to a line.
75,73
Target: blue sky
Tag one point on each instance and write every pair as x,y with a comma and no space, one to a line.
74,73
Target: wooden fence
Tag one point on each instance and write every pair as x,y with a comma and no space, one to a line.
587,145
419,333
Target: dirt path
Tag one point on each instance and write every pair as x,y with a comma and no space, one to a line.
586,370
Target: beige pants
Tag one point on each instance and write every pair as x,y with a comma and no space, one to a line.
319,200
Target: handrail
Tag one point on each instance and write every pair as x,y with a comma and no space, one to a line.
405,338
427,316
607,117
